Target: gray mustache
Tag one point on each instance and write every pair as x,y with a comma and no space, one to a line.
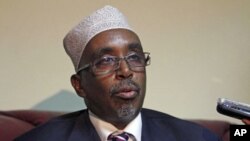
124,84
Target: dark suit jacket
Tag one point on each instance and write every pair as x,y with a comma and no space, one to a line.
155,126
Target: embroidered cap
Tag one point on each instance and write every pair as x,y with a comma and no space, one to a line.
101,20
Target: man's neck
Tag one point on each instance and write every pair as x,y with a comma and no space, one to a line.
120,125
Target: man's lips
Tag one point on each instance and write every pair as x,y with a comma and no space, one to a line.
126,89
126,94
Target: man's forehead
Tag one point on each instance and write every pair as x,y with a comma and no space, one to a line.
112,34
134,46
115,39
113,50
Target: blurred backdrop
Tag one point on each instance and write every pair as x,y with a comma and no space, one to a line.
199,49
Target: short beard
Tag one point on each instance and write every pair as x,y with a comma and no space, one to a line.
126,112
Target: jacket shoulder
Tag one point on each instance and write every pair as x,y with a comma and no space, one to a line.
161,125
55,129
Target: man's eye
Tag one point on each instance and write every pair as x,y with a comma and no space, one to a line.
134,57
105,61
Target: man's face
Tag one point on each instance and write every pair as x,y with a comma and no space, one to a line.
118,96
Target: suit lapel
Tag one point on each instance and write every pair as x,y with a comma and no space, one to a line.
152,129
146,134
83,129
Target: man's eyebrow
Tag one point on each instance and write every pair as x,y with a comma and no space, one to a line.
135,47
101,51
107,50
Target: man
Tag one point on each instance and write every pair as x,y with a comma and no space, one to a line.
111,77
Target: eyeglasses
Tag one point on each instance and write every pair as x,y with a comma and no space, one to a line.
107,64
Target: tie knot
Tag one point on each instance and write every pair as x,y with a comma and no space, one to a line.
121,136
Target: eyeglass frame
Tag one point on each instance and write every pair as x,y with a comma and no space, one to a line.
147,62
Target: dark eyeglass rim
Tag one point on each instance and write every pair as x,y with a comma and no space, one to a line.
147,63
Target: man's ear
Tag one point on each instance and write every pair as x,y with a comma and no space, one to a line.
76,83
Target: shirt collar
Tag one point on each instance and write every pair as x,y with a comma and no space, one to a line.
104,128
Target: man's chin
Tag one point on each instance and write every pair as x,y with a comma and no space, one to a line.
127,112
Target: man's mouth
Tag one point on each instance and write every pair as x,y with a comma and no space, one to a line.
126,94
126,90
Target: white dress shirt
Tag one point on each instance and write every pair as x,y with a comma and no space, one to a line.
104,129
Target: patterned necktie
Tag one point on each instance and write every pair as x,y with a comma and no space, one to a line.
121,136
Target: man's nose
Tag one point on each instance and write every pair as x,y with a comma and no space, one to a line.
124,70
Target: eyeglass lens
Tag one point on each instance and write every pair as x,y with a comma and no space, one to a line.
135,61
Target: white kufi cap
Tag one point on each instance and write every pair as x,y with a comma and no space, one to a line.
101,20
